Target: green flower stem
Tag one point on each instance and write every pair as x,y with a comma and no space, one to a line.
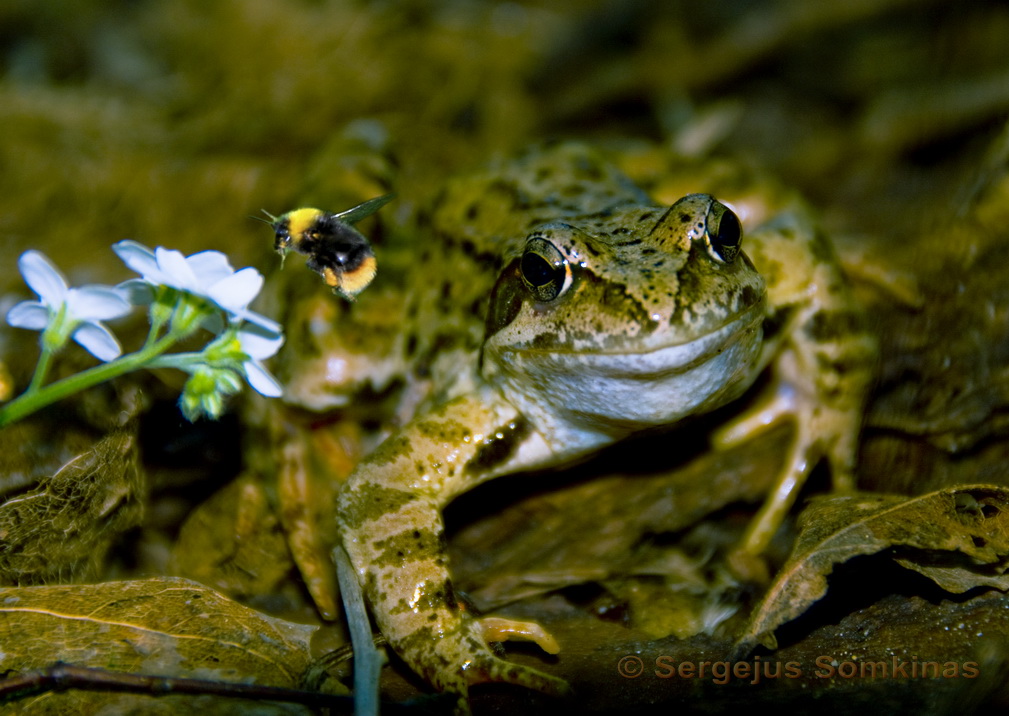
186,362
41,369
157,323
32,400
180,361
53,338
182,313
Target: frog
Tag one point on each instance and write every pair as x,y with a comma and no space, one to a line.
554,307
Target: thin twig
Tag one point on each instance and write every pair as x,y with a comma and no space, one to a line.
62,677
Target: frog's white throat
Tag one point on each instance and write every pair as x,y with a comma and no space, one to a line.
581,401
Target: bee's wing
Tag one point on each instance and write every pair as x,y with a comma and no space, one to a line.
367,208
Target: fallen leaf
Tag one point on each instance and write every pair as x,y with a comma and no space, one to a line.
604,526
969,523
59,526
956,575
165,626
233,542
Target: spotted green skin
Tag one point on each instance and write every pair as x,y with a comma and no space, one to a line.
652,329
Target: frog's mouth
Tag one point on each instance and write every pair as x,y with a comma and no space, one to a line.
677,358
654,356
618,392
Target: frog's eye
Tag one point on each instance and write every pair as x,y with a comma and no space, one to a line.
545,271
724,233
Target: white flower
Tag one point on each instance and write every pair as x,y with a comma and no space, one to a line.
76,312
207,274
258,346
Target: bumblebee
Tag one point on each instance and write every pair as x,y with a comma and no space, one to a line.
336,250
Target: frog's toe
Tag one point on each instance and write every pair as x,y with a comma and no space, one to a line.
500,629
493,669
482,666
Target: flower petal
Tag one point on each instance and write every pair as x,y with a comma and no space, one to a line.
258,320
98,303
28,314
176,271
209,266
97,340
261,381
136,256
237,290
137,291
206,274
43,277
258,343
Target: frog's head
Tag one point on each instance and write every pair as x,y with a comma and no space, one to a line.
631,318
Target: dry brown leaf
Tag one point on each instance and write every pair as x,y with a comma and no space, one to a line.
603,526
162,626
971,522
233,542
83,702
956,576
58,527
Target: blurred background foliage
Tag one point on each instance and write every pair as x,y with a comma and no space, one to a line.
172,122
169,121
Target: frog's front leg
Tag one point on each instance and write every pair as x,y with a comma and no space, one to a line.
390,516
822,360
